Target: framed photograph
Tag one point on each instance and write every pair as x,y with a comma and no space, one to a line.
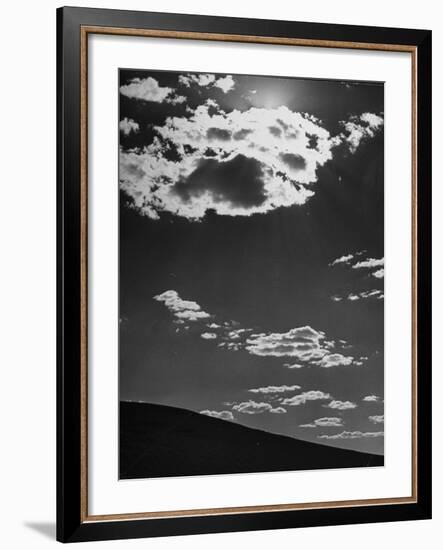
244,271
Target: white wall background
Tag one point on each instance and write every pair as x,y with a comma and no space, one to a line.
27,273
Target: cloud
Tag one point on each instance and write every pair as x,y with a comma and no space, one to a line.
371,398
274,171
335,360
369,263
207,80
252,407
302,398
293,365
375,294
373,121
359,128
278,410
208,335
342,260
372,294
147,89
302,342
231,346
274,389
306,344
273,147
352,435
182,309
372,264
127,125
341,405
223,415
226,84
376,269
199,79
192,315
377,419
324,422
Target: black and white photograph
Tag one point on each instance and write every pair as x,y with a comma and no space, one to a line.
217,275
251,273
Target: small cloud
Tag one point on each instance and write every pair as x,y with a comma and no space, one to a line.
182,309
352,435
324,422
335,360
127,125
202,79
374,121
274,389
208,80
223,415
359,128
192,315
225,84
238,333
371,398
375,267
208,335
373,294
341,405
302,398
370,263
252,407
377,418
231,346
278,410
342,260
293,365
147,89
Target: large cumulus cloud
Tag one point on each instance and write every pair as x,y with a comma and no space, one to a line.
236,163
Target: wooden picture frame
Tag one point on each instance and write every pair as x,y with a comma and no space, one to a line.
74,522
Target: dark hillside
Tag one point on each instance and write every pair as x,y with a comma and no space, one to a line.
161,441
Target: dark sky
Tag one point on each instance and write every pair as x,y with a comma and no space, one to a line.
251,251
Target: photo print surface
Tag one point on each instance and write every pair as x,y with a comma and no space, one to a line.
251,274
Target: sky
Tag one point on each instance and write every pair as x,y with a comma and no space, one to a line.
251,251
